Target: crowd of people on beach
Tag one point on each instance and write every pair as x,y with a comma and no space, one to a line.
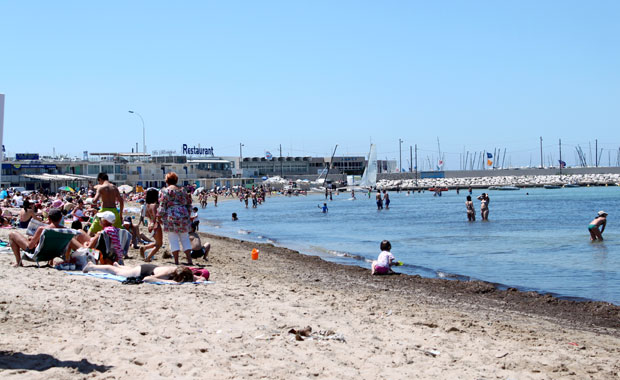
94,217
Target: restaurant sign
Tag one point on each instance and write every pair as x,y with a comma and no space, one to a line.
197,151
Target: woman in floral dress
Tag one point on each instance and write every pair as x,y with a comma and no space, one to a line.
174,209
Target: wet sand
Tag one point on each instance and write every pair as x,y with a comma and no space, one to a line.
59,326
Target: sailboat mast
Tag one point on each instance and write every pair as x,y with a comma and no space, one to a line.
331,162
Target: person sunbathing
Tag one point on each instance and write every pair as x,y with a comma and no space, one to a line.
29,244
151,272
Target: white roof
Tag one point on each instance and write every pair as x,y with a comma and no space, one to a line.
209,161
58,177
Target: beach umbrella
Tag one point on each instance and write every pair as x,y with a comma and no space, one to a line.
66,188
198,190
125,189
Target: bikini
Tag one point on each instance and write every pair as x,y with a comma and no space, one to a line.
25,223
147,270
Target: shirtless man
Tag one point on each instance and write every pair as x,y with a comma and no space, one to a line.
19,241
109,195
379,200
599,221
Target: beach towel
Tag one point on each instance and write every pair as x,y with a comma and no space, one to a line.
107,276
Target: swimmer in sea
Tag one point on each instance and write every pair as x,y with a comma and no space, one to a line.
324,208
379,200
593,227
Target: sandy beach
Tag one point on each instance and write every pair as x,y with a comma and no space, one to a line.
58,326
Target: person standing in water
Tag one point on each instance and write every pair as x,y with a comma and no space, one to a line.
386,199
593,227
471,213
353,194
379,200
484,206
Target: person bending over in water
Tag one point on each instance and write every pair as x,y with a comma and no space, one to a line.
148,272
599,221
383,264
471,213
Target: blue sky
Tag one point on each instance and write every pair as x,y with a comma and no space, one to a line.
311,74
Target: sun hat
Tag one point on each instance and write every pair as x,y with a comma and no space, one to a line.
601,213
107,215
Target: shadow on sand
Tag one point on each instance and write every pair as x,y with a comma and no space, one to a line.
42,362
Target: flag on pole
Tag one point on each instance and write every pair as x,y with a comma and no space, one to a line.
268,155
489,161
562,164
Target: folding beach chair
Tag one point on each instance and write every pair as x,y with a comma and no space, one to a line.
53,243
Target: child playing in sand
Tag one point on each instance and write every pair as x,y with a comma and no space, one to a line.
384,262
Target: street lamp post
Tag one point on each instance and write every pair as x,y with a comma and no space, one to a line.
143,131
400,154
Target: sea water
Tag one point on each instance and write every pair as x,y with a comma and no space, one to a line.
535,239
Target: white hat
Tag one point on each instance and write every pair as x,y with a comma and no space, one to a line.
601,213
107,215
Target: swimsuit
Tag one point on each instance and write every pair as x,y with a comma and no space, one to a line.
196,253
147,270
592,226
25,223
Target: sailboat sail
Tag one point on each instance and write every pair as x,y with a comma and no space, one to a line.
369,178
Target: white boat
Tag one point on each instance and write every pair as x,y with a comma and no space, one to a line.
504,188
369,178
